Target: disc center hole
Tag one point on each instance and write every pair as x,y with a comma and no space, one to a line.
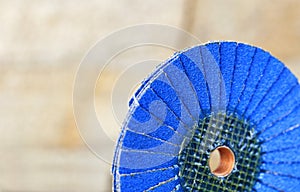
221,161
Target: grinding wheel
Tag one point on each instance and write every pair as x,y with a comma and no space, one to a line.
228,98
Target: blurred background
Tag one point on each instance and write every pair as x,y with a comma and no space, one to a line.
42,44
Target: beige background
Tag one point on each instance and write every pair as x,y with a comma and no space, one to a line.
42,44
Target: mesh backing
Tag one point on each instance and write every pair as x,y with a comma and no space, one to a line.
211,132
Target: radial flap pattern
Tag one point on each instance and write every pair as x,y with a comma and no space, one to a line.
218,94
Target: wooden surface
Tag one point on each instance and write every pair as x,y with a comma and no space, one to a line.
41,46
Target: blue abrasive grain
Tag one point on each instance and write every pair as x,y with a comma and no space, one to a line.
169,186
244,57
256,72
281,182
273,70
196,78
227,54
144,181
